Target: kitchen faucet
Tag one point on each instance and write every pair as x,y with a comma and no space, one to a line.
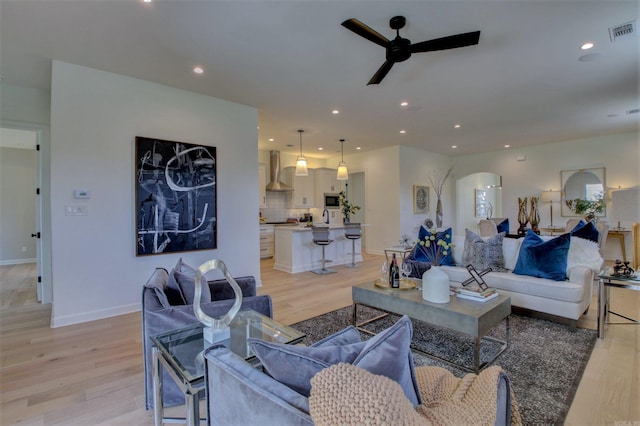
325,211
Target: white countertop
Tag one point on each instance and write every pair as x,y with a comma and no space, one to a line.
304,227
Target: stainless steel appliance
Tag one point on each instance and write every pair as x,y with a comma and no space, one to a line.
331,201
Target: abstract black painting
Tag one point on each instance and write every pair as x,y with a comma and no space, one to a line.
175,197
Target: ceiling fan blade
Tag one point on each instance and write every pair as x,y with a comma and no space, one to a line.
365,31
444,43
381,73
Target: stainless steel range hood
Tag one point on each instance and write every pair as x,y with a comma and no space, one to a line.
275,184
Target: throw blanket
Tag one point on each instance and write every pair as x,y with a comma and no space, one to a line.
347,395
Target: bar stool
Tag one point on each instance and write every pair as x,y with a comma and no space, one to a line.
321,238
353,232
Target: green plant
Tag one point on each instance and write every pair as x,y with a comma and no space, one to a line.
587,208
347,208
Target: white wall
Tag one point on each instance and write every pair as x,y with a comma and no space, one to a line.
541,170
95,117
382,182
416,165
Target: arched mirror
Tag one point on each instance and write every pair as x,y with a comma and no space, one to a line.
582,184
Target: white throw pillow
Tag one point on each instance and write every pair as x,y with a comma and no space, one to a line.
510,251
584,252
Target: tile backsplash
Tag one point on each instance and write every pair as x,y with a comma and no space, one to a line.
276,210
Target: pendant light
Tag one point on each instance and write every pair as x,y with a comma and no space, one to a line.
301,164
343,174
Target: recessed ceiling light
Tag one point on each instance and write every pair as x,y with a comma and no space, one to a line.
402,132
358,148
507,146
456,126
404,104
198,70
320,148
271,139
147,1
335,112
454,146
588,45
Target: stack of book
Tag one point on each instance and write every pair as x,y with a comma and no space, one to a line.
477,294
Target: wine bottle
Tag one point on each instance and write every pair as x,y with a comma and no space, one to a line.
390,277
396,273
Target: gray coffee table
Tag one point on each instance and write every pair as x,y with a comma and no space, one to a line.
461,315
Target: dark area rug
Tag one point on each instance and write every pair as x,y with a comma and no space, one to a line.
545,360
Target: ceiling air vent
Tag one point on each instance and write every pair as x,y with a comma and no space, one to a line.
622,31
633,111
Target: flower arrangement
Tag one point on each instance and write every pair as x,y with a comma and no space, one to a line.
347,208
405,241
435,248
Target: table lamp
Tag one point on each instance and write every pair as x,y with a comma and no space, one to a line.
625,205
550,197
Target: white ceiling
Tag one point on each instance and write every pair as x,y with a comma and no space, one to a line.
523,84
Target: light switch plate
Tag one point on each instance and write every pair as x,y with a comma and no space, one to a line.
76,210
81,193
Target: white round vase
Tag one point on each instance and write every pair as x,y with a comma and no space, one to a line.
435,285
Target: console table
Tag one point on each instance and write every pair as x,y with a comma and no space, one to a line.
620,235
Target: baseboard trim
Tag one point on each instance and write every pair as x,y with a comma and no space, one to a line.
64,320
17,261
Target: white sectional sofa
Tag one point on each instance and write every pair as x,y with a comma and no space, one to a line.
569,299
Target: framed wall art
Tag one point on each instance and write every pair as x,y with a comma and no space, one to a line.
420,199
481,202
176,198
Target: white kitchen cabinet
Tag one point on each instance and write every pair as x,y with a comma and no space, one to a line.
266,241
303,194
262,186
325,181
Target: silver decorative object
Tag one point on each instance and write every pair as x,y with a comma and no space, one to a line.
216,329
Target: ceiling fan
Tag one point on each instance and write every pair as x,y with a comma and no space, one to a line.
400,49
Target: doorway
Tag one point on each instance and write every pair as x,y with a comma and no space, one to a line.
478,196
21,195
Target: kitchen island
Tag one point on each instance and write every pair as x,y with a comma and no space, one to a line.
296,252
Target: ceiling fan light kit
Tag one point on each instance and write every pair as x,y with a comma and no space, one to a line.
400,49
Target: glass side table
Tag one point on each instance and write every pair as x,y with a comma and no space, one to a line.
402,252
181,353
605,283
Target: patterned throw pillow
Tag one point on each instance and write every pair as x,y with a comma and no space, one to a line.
420,252
483,254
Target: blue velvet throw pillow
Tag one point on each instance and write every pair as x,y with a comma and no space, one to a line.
543,259
387,354
586,230
503,226
421,253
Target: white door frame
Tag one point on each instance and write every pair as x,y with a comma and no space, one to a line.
43,205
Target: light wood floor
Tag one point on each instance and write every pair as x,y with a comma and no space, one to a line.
92,373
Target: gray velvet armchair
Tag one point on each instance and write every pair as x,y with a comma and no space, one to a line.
164,310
